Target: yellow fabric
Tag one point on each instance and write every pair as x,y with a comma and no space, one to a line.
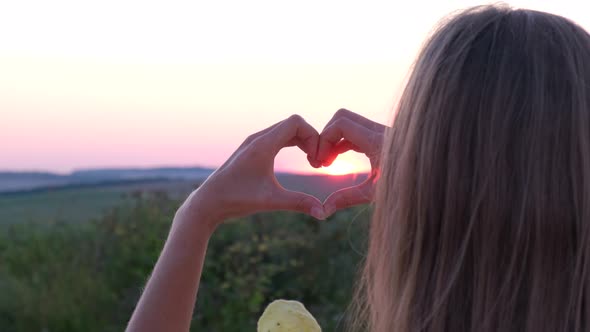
287,316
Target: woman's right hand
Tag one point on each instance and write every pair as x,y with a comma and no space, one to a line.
350,131
246,182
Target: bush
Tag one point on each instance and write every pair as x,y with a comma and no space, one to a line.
88,276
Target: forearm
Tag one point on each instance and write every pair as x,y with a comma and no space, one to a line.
169,297
243,185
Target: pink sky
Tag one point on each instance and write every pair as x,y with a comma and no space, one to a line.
124,83
99,115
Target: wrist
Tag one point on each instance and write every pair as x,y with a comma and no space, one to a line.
199,211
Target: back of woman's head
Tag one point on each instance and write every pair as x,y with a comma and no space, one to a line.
482,212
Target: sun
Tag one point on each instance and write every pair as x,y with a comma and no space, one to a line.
340,167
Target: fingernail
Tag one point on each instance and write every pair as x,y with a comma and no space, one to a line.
318,213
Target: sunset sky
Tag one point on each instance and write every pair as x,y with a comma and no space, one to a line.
140,83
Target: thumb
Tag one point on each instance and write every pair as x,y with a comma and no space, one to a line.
299,202
348,197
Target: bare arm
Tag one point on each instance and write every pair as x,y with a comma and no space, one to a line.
168,300
243,185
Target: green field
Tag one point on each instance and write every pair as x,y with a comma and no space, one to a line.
79,203
76,203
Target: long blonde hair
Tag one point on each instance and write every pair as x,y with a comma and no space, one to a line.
482,211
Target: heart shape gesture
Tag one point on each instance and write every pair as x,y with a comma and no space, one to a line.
246,183
344,132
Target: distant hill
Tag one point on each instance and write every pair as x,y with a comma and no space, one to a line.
15,182
31,181
142,173
87,194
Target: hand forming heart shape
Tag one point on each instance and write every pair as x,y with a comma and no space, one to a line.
350,131
246,183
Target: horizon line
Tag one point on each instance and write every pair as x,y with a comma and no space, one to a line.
147,168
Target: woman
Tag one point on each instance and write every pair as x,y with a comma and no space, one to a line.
482,200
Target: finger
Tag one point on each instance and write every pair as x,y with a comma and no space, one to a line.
349,130
313,162
344,113
300,143
349,197
254,136
298,202
345,146
339,148
302,146
248,141
293,131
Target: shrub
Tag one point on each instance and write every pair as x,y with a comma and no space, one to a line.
87,276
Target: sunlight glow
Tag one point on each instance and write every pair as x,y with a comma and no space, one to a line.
341,167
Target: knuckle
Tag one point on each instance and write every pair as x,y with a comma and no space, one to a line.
249,139
332,134
296,119
340,123
342,112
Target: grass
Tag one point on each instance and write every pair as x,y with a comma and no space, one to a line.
78,203
72,204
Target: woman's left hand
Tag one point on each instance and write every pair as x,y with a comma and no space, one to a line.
246,182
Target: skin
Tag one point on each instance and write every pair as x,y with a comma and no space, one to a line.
243,185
